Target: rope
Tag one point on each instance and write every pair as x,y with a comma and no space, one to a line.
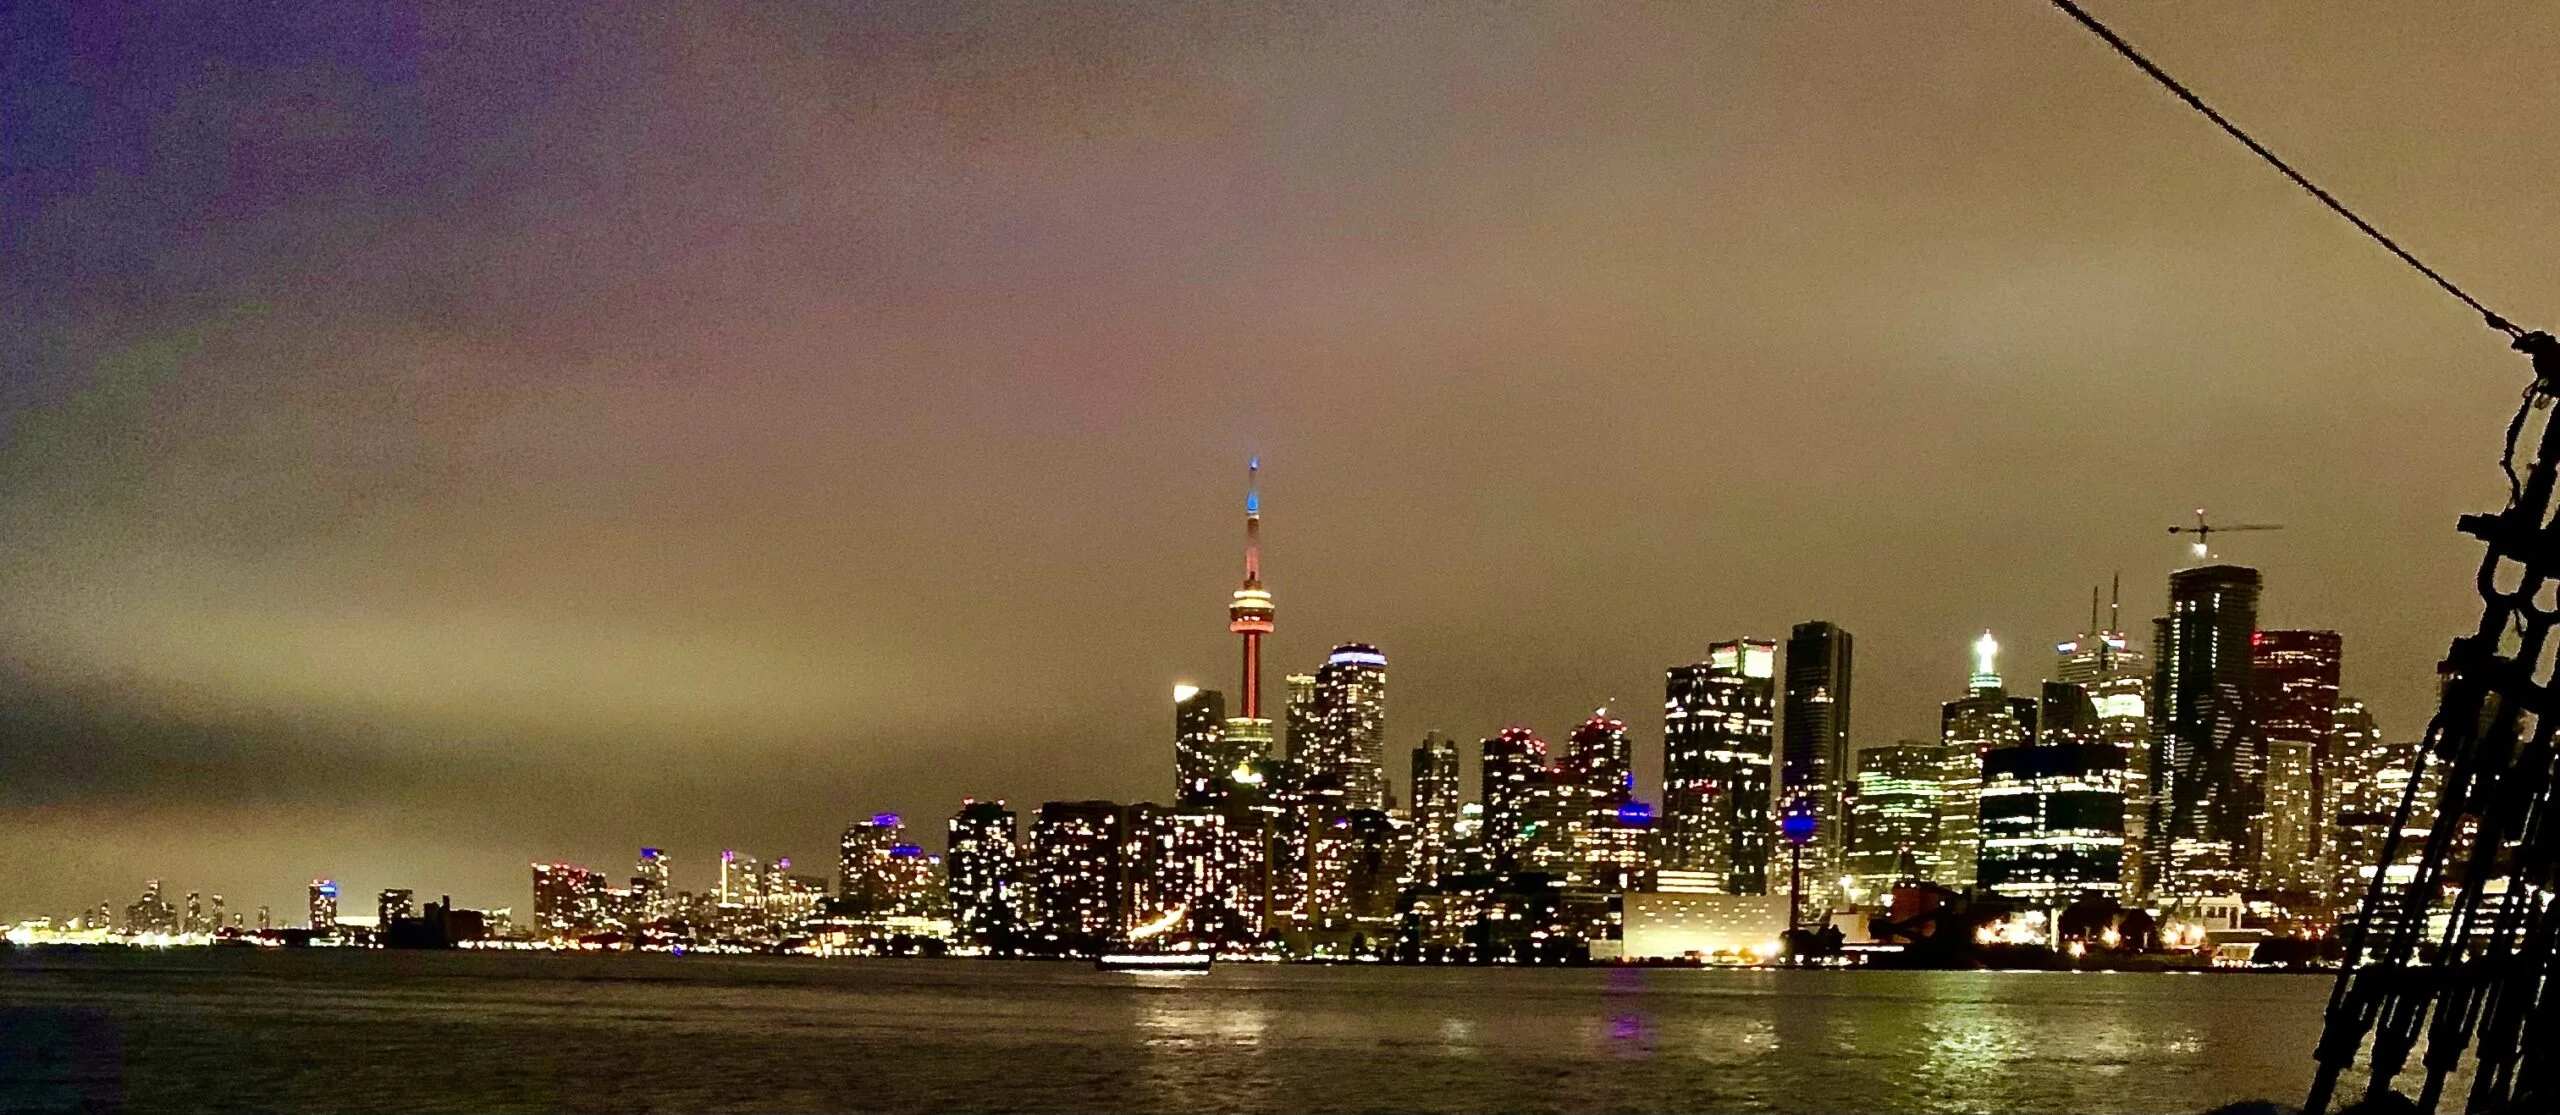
2134,56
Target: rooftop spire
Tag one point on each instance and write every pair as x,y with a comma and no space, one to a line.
1986,666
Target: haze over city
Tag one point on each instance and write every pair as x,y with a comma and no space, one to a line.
437,443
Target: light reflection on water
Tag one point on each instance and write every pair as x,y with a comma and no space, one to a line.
317,1030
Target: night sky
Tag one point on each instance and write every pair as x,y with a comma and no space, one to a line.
436,438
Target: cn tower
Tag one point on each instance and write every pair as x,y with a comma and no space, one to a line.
1249,614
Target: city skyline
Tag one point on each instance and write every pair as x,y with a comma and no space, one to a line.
424,461
1749,704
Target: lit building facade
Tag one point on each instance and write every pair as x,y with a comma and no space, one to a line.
1672,925
982,870
1437,802
742,882
1194,876
2373,778
2205,773
1985,720
2052,809
1518,789
2117,676
1337,722
1274,792
1814,752
568,900
651,889
870,874
1301,719
392,905
324,906
1717,748
1076,856
1893,825
1203,764
2295,710
1610,827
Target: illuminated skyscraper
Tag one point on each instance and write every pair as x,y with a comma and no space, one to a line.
1076,849
1338,725
2296,678
193,921
1249,612
2052,808
1517,785
568,901
1273,791
1436,805
1205,869
1717,748
1203,763
1301,718
324,906
652,897
1814,753
2117,676
983,866
867,875
1893,825
2205,777
1354,865
1986,719
2372,777
741,894
1610,828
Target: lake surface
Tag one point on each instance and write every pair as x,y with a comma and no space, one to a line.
329,1029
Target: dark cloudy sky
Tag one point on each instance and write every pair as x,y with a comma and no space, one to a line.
438,437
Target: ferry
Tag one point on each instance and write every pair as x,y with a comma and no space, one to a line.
1174,963
1138,956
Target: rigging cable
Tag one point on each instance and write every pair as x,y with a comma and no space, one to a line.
2134,56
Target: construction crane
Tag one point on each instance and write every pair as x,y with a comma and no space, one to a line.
2205,531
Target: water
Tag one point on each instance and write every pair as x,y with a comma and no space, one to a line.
345,1029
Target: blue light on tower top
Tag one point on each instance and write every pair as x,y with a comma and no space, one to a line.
648,853
1635,814
884,820
905,850
1252,489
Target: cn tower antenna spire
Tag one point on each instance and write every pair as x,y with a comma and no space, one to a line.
1249,612
1253,522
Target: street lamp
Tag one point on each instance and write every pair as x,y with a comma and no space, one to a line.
1797,825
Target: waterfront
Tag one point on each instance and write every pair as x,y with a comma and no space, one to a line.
350,1029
